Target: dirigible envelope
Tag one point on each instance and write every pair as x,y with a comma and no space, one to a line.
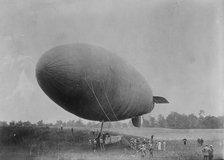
93,83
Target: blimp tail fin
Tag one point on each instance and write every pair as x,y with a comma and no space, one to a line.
157,99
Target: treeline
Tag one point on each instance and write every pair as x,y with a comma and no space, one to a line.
173,120
182,121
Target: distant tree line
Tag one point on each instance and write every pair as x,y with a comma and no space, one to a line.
183,121
173,120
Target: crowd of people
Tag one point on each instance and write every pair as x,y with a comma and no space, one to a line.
146,146
98,141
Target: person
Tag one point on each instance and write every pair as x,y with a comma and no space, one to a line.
205,152
94,145
104,138
152,139
199,141
185,141
142,148
164,146
135,144
132,143
210,153
61,127
101,144
72,130
150,150
90,144
159,146
202,141
93,133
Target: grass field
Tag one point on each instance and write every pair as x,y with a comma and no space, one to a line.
57,145
174,134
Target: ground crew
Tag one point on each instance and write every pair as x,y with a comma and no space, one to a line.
200,141
142,148
150,150
210,153
185,141
159,146
152,139
164,146
90,144
205,152
94,143
101,144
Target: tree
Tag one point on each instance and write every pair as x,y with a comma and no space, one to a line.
70,123
193,120
27,124
12,123
19,124
145,122
124,125
3,123
211,122
130,123
176,120
161,121
91,124
79,123
172,120
40,123
201,113
117,124
221,121
58,123
152,121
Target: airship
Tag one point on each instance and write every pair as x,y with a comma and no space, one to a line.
95,84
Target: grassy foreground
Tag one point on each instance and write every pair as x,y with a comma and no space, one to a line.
53,144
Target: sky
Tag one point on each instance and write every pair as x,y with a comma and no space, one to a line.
176,45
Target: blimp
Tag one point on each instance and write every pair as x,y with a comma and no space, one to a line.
95,84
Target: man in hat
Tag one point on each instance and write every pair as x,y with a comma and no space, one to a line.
210,153
205,152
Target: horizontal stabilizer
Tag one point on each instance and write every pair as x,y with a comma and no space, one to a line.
157,99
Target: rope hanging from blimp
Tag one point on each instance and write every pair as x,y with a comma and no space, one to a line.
92,89
109,102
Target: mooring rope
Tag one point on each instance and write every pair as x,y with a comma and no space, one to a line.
109,102
92,89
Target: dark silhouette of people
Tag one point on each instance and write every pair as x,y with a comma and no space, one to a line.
185,141
200,141
152,139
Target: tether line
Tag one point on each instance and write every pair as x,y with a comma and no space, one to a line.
109,102
92,89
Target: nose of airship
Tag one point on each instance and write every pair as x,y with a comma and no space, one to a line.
47,76
39,69
42,70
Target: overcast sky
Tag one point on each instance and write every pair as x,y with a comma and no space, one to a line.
176,45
